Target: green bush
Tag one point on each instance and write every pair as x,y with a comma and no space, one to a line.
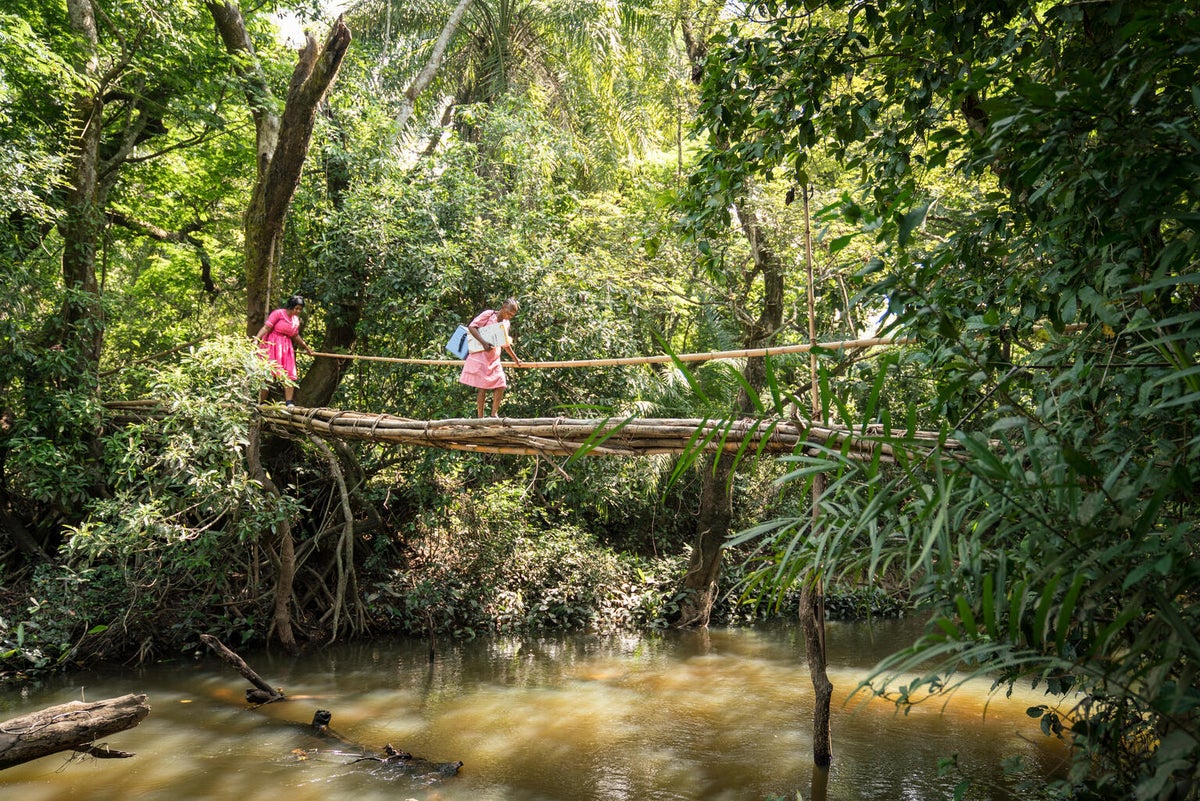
495,566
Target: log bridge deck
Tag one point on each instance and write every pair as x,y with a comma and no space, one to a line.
566,436
612,436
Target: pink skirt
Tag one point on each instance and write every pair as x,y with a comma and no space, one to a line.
482,370
279,352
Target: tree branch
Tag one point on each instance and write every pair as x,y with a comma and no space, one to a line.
425,76
182,236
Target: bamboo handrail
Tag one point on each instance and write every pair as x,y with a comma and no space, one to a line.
836,345
849,344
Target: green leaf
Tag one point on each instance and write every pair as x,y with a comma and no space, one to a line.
1067,610
1045,604
966,615
910,222
988,607
840,242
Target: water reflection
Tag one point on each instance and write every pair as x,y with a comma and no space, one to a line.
718,715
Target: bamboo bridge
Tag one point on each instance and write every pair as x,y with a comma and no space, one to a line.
572,437
617,436
611,436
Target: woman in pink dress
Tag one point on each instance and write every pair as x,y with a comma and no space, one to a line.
482,369
279,336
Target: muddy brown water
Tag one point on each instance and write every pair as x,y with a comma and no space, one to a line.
721,715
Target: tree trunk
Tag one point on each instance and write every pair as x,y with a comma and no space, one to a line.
83,220
321,380
287,549
314,73
68,727
281,142
701,582
425,77
18,533
812,617
812,602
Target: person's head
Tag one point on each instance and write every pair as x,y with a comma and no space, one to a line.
509,309
294,303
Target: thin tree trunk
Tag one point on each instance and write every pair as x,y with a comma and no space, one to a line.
321,380
701,582
281,142
102,140
347,582
287,549
425,77
812,618
812,601
83,220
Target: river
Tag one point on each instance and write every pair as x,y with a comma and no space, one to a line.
719,715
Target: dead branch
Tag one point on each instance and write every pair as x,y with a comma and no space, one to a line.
239,664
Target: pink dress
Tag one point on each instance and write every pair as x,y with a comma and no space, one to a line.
277,344
482,370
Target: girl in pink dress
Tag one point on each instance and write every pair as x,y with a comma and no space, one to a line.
482,369
279,335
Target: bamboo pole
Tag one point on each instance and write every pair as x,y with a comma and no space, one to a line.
781,350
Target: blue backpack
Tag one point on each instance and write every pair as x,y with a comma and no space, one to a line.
457,346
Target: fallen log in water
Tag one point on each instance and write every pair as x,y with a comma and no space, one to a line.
262,693
74,726
393,758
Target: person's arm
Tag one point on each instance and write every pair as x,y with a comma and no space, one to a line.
475,333
513,353
268,326
299,340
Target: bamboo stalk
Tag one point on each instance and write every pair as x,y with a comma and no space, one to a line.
781,350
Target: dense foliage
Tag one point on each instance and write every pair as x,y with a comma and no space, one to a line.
1057,307
1012,186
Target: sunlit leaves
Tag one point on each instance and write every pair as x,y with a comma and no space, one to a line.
1058,315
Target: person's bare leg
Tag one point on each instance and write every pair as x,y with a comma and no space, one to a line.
480,399
497,396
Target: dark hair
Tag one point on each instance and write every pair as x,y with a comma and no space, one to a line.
293,302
